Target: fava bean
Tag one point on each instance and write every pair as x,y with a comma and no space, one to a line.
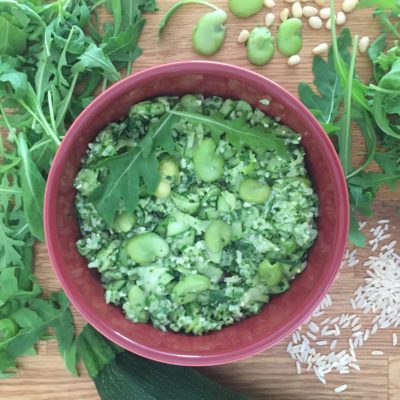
245,8
218,234
137,302
124,222
185,205
260,46
146,248
189,287
253,191
208,165
269,273
209,33
289,37
163,189
168,166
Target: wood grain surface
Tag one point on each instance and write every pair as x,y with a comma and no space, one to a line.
272,374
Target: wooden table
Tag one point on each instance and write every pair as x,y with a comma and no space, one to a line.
272,374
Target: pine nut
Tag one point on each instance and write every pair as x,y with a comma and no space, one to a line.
315,22
269,3
320,49
297,10
294,60
363,44
340,18
328,24
290,1
284,15
269,19
321,3
349,5
325,13
243,36
309,11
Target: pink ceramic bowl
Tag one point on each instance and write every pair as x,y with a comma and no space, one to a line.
285,312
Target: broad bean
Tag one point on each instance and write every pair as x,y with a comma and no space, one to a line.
269,273
253,191
163,189
146,247
209,33
245,8
218,234
184,204
189,287
169,167
124,222
208,165
289,38
260,46
137,303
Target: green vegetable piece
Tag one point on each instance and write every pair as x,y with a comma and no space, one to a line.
189,287
184,204
191,103
211,271
254,295
163,189
289,38
226,202
124,222
137,303
245,8
260,46
253,191
12,39
208,165
209,33
269,273
169,167
217,235
146,247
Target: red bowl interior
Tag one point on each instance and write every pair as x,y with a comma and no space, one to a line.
285,312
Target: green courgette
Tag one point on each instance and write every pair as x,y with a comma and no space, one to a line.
120,375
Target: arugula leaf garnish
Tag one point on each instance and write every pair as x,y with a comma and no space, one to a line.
127,170
237,132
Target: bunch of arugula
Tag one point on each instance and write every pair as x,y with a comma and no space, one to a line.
373,108
52,59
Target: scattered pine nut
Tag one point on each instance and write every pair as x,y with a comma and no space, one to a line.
340,18
349,5
315,22
284,15
290,1
363,44
294,60
328,24
269,19
325,13
243,36
309,11
321,3
320,49
269,3
297,10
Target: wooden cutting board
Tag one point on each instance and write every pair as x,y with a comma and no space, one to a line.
272,374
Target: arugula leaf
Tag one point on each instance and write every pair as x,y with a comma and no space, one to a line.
33,186
164,21
94,58
378,3
237,132
355,235
127,169
9,247
12,39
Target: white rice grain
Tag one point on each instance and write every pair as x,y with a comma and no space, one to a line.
377,353
340,388
394,339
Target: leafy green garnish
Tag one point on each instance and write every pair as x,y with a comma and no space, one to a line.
126,170
237,132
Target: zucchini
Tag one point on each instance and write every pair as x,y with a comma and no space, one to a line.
121,375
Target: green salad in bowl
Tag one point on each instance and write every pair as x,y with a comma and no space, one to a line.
220,217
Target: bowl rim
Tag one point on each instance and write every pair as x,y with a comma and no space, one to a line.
199,67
